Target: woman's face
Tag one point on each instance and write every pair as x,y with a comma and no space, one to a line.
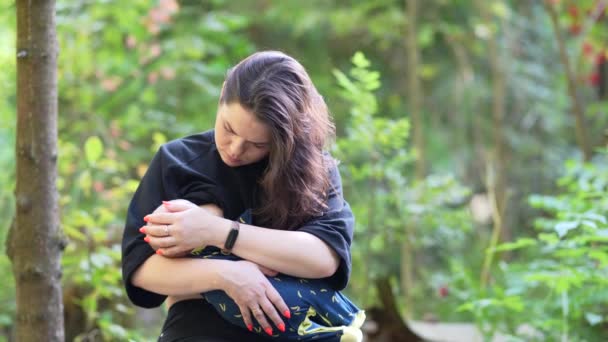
240,137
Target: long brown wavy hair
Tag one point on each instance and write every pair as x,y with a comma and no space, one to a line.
278,91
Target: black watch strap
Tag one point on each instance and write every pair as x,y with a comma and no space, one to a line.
231,238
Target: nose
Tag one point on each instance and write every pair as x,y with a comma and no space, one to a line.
237,146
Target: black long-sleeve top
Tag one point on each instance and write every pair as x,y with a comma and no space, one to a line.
190,168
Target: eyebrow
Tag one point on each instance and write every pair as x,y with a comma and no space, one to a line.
253,142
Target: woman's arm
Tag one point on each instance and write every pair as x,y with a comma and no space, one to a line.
295,253
243,281
318,249
152,274
181,276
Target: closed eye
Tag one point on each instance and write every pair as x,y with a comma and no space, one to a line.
259,146
228,129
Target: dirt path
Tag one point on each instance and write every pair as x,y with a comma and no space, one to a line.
459,332
446,332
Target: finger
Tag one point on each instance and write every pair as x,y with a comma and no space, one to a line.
273,314
161,242
246,314
160,209
147,239
161,218
258,313
276,299
170,252
267,271
156,230
181,254
178,205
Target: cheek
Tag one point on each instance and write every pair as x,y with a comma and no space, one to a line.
222,139
259,154
220,135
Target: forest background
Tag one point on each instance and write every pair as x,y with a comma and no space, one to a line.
472,137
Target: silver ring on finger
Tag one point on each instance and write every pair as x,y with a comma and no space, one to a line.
167,233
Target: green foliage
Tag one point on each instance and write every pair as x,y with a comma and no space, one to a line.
121,84
127,72
93,192
372,156
374,160
133,75
561,281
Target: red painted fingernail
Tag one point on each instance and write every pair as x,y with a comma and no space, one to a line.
287,314
165,203
159,252
281,327
268,331
147,239
250,327
146,218
142,230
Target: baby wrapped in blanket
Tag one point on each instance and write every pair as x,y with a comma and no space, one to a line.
317,311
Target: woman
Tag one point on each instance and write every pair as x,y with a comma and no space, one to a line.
266,154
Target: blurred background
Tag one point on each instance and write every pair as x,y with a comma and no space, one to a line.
472,136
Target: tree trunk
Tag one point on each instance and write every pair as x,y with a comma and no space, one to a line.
496,161
414,91
469,132
390,325
415,106
34,243
577,107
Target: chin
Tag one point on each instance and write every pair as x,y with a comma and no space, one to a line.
231,163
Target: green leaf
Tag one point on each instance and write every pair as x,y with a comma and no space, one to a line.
500,9
514,303
600,256
548,238
425,36
590,224
377,243
117,331
360,61
428,71
93,149
593,319
521,243
344,81
595,217
74,233
563,228
470,306
159,139
85,182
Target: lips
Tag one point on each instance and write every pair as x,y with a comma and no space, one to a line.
233,161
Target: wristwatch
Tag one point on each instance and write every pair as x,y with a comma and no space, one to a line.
231,238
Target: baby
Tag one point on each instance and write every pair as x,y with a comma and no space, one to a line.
318,311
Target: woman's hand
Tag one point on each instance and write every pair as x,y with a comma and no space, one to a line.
177,227
246,284
161,209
